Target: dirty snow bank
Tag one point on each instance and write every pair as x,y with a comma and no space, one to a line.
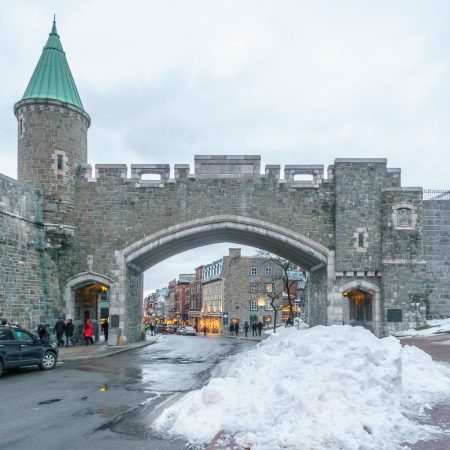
323,388
437,327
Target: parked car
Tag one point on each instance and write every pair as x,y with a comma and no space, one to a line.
180,330
19,348
161,329
189,331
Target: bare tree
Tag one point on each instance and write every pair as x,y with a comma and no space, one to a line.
281,283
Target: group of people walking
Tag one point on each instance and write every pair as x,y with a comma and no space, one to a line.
66,329
256,328
61,328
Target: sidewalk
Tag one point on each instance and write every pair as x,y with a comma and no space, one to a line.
99,350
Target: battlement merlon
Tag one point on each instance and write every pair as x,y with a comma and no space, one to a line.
209,167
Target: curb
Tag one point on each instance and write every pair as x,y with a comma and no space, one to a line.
104,355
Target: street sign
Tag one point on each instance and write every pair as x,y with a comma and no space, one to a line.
225,318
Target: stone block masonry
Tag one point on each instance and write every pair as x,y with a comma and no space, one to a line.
29,279
436,249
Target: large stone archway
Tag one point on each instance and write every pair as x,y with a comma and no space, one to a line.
132,261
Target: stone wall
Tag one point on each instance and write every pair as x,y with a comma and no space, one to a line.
29,289
436,247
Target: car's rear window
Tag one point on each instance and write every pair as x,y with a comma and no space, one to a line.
6,335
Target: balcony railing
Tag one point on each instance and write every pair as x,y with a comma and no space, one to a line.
436,194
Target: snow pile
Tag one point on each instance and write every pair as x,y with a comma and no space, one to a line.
436,327
323,388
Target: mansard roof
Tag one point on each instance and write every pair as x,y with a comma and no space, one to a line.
52,78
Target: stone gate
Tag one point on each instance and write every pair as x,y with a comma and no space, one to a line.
371,246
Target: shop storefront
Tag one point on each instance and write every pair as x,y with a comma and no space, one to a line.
212,322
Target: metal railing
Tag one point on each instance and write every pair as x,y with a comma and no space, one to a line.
436,194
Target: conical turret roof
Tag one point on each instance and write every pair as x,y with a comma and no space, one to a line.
52,78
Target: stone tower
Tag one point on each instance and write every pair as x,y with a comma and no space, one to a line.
52,135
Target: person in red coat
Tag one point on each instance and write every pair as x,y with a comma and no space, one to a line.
88,332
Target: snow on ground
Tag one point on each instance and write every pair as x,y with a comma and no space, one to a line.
436,327
323,388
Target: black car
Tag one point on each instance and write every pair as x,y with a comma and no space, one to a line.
19,347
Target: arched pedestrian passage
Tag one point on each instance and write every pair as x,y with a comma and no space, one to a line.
361,304
87,296
126,294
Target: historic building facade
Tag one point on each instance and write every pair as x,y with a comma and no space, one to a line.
377,253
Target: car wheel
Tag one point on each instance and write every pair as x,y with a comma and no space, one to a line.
48,361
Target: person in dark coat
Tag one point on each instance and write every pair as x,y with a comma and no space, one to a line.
43,333
231,329
246,328
59,331
260,327
236,329
254,328
105,329
68,331
205,329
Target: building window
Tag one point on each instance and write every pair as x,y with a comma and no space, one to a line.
360,240
253,305
267,306
60,162
253,287
20,127
268,271
269,287
253,270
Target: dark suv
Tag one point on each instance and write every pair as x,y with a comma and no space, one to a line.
19,347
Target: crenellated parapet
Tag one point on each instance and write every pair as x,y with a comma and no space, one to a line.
215,167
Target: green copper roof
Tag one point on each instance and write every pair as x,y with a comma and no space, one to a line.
52,78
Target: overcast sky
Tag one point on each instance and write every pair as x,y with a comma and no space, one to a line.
297,82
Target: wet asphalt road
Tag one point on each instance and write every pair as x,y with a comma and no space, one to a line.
109,403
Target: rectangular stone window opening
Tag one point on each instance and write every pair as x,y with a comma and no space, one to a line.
361,240
60,162
20,127
253,287
253,271
253,305
268,271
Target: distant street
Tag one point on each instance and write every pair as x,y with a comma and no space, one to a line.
108,403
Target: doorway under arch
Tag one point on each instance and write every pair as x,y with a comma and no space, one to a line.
362,305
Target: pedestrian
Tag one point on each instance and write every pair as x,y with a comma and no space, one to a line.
152,329
260,327
246,328
58,329
88,332
205,329
68,331
231,329
43,333
236,329
105,329
254,328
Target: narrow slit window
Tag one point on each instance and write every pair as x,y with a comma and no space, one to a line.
20,127
361,240
60,162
